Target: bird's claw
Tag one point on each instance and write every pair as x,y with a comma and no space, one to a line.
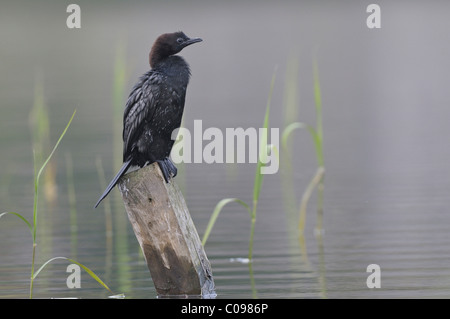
168,169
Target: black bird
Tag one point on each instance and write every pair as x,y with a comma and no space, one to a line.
154,108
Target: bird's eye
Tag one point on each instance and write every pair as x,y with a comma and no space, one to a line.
180,40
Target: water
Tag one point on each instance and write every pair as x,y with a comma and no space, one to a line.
385,108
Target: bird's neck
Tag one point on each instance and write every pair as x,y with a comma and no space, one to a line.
173,65
155,58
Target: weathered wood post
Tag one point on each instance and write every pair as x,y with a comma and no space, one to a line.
167,236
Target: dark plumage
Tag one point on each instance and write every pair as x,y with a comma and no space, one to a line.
154,108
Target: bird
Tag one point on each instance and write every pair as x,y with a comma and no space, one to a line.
154,109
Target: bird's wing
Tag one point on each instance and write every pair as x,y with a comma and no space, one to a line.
140,107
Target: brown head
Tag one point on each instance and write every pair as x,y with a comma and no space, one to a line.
169,44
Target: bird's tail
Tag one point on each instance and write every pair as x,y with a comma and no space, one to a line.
114,181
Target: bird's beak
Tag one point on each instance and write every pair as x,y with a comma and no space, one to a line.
191,41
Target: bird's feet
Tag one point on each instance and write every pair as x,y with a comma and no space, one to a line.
168,169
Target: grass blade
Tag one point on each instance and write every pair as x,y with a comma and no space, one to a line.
37,177
36,197
55,147
306,195
262,159
22,218
318,140
216,212
288,131
90,272
263,146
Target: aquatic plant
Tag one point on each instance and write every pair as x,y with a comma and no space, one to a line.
317,137
33,226
258,180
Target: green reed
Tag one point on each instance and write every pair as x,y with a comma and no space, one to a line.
32,226
317,136
72,201
258,180
120,221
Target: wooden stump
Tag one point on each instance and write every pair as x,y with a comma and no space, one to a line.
167,236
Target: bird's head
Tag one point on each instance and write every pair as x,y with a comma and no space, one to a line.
169,44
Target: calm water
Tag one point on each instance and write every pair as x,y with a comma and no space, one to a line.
386,115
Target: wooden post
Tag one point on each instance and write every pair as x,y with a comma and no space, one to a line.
167,236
